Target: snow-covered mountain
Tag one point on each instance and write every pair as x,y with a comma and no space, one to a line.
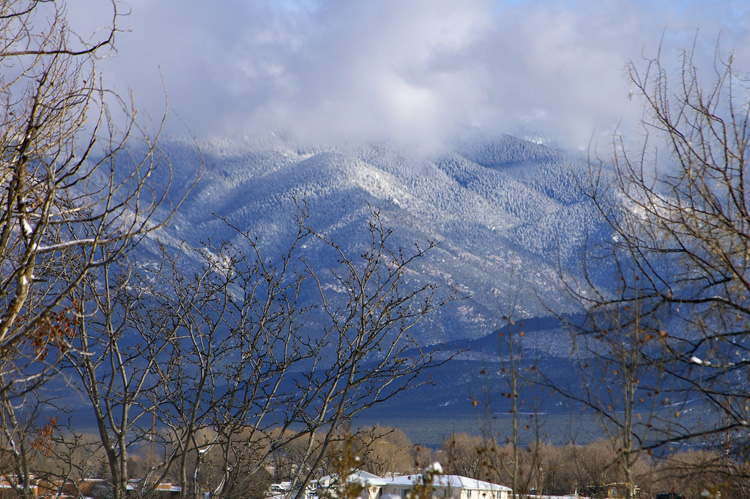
509,218
507,214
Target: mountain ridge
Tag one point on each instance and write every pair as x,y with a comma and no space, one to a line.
506,214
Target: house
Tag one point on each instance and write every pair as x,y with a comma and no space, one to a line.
448,486
372,485
166,490
444,486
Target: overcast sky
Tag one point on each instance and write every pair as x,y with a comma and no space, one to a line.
418,72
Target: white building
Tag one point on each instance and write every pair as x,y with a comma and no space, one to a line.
448,486
372,485
444,486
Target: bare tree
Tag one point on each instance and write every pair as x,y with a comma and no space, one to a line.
223,380
371,355
383,450
612,380
678,211
232,368
466,455
68,189
504,458
24,439
113,359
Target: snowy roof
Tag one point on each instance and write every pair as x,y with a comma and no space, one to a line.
359,476
452,481
408,481
364,475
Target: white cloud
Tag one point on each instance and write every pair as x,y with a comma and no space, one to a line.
418,72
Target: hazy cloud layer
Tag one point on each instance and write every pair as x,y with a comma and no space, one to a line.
419,72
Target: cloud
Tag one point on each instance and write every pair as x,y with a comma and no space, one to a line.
420,73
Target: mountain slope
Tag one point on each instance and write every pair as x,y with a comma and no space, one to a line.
506,214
